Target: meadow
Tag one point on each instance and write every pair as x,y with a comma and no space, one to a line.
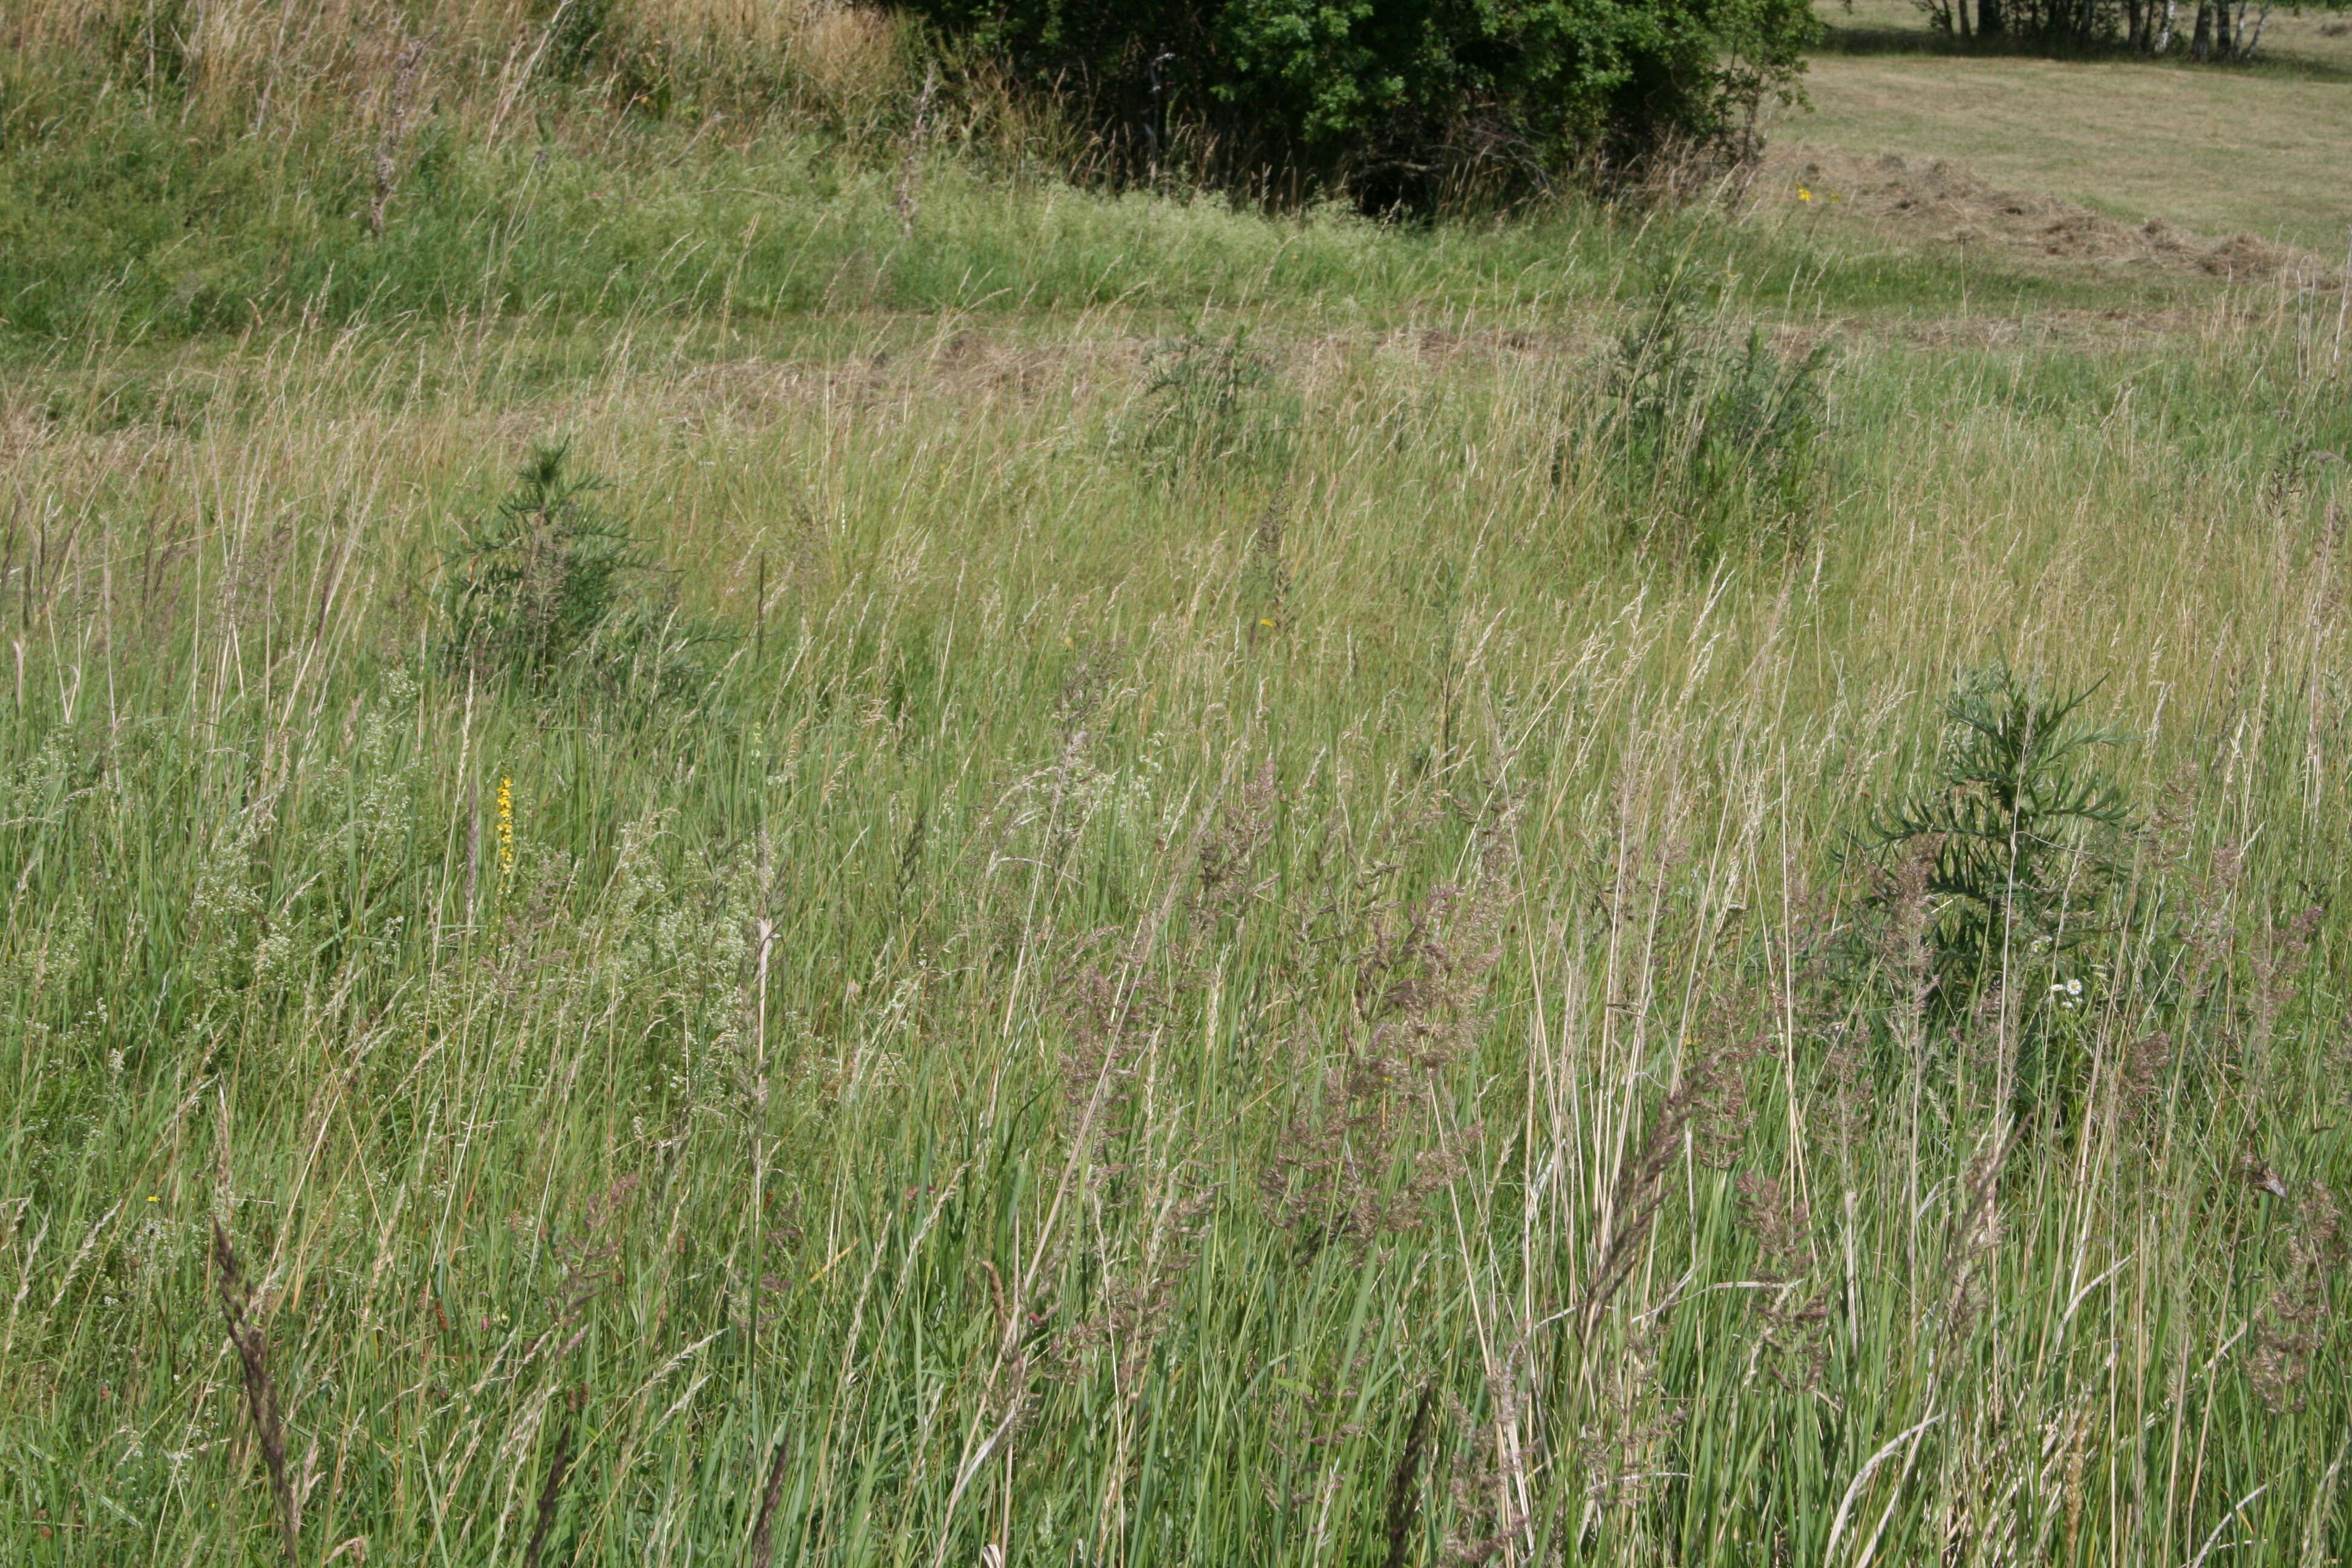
2256,148
774,840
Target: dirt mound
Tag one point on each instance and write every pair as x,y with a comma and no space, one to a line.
1941,202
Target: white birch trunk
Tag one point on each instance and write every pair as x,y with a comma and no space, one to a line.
2261,16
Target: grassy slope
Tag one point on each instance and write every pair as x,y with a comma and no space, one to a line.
1155,959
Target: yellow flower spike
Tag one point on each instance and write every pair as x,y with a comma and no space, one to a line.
506,824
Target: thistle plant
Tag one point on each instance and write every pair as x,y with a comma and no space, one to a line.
1715,447
529,587
2012,816
551,592
1213,404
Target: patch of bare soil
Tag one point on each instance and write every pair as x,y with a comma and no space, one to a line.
1937,202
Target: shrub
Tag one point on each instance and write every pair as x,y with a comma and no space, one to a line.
1400,103
530,583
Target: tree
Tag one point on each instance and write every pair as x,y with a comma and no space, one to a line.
2223,30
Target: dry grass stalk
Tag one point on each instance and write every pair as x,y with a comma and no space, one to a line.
1488,1517
1269,571
763,1540
1974,1234
395,130
903,199
2291,1326
559,1466
1422,970
1641,1185
260,1388
1404,1480
1794,1327
1229,854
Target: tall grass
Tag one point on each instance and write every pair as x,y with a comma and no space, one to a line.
1054,1051
1218,956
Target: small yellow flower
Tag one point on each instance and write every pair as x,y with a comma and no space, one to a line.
506,824
1264,621
1803,195
150,1197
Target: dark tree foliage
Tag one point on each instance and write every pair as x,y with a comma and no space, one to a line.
1410,103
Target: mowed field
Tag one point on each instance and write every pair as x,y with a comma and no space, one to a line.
2263,149
752,841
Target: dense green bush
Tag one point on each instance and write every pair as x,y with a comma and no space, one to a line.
1399,102
533,583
